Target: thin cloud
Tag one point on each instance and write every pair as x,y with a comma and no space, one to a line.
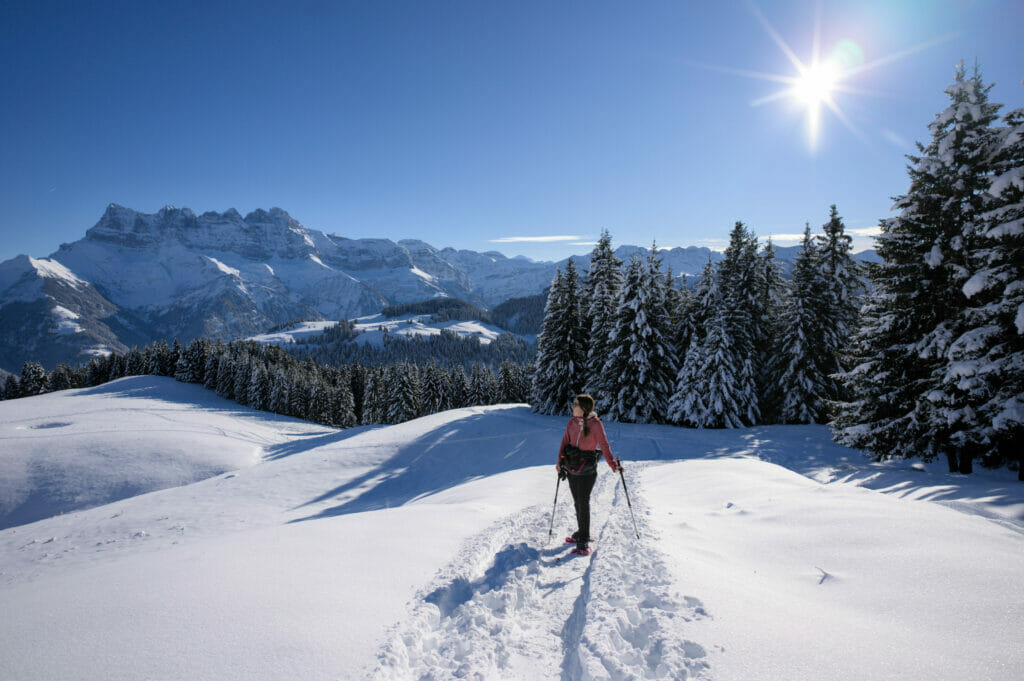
533,239
788,237
866,231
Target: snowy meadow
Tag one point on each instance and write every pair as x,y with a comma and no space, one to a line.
155,530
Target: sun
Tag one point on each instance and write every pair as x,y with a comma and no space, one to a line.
815,85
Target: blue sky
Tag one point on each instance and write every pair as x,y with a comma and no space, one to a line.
478,124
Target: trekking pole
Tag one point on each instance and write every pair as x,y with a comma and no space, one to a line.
622,476
552,525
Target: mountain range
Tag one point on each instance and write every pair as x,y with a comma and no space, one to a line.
138,277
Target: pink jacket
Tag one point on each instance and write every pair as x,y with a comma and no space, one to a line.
594,439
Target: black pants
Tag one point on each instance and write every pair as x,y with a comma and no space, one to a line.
581,486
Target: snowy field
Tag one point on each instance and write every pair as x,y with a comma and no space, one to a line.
421,551
371,329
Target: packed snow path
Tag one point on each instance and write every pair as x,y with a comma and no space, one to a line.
516,605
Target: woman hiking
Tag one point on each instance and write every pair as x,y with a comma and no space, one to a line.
577,459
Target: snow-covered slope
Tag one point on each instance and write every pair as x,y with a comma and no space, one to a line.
77,449
421,551
372,329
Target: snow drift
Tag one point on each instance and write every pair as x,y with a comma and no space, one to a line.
421,551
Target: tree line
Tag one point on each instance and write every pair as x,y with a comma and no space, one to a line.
269,378
741,347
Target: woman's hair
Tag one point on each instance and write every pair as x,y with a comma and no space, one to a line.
586,403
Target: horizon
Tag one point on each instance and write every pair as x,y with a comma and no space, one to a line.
525,131
590,245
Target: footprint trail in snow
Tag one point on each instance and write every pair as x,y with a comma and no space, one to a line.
514,605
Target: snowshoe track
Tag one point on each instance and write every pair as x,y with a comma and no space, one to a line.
514,605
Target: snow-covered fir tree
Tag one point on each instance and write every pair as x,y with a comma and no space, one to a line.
801,386
772,305
211,367
982,388
604,283
12,388
560,365
34,379
403,394
686,404
459,386
641,364
191,362
741,289
61,378
898,408
483,388
513,383
843,279
372,398
682,318
433,389
225,381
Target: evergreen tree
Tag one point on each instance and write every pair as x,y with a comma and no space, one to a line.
918,297
192,362
741,288
225,382
344,403
712,398
560,364
259,387
97,371
982,390
773,302
211,370
459,388
279,399
61,378
604,284
433,389
843,283
512,384
12,388
34,379
135,363
640,363
370,413
243,372
403,394
801,383
482,386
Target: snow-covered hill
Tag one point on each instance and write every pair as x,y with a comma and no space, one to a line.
421,551
372,328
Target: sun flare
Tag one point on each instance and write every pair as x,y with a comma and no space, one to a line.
815,85
816,82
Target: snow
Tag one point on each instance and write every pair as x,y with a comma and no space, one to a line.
934,257
231,271
52,269
421,551
369,328
423,275
66,323
976,284
299,331
1012,178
